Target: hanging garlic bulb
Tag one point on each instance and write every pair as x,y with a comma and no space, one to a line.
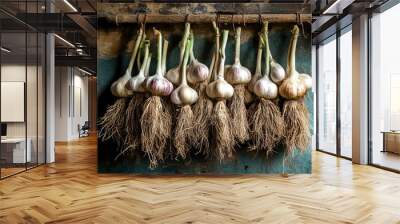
221,123
236,73
173,74
295,113
266,123
277,72
219,88
197,72
118,88
136,83
113,121
134,108
184,96
264,87
292,87
306,79
158,84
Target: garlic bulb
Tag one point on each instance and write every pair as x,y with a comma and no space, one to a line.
219,88
157,84
118,88
264,87
197,72
277,72
236,73
173,74
257,74
306,79
136,83
184,94
292,87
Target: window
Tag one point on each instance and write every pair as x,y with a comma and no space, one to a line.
385,89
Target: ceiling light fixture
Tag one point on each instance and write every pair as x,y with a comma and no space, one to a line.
5,49
70,5
64,40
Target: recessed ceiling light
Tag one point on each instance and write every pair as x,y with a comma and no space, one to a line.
70,5
64,40
5,49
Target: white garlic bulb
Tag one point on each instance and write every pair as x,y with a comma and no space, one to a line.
219,88
136,83
184,94
174,73
292,87
277,71
264,87
236,73
118,88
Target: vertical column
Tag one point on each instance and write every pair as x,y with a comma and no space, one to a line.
50,92
360,90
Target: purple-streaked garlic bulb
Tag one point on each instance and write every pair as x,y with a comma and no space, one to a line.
118,88
136,83
257,74
184,94
236,73
219,88
292,87
174,73
197,71
264,87
158,84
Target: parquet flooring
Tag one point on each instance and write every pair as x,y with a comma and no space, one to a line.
71,191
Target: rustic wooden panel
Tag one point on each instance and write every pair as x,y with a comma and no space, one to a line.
204,12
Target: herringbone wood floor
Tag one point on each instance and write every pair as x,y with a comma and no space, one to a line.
71,191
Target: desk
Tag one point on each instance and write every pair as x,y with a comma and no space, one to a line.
391,141
13,150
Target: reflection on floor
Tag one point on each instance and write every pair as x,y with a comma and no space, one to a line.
8,170
387,159
71,191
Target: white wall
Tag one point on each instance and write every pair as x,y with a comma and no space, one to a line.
71,102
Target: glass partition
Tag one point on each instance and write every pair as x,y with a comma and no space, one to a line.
326,132
22,78
346,93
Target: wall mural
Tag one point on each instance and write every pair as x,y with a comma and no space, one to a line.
208,97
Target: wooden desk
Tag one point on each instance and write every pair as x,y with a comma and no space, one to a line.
391,141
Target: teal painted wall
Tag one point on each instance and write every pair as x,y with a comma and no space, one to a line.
245,162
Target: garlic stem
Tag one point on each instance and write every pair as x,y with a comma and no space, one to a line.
145,59
267,58
146,70
135,50
139,55
159,51
225,34
184,41
185,61
259,56
216,54
164,57
237,45
192,58
291,66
